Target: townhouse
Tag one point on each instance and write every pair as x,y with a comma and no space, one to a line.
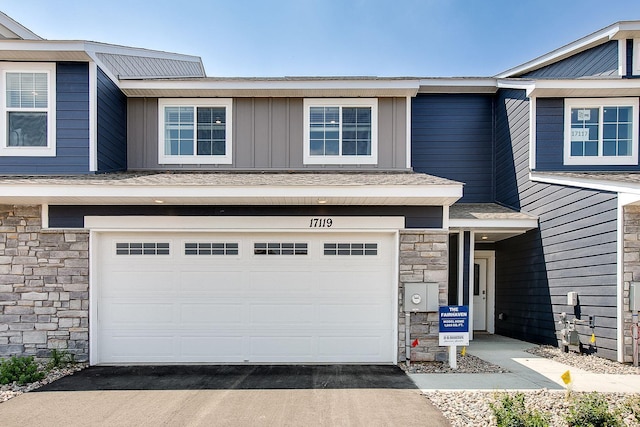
151,214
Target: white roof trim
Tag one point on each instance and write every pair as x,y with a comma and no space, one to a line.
415,195
310,87
594,184
584,87
18,29
502,224
458,85
592,40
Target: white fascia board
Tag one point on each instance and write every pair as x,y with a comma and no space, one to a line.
453,84
570,49
44,45
18,29
272,84
498,225
584,87
451,192
594,184
525,84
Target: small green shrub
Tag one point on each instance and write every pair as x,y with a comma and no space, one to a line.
22,370
592,410
60,358
511,412
632,405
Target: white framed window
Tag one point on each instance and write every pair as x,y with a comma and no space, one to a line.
28,122
601,131
340,131
195,131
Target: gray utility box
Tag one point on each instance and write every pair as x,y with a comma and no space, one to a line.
421,297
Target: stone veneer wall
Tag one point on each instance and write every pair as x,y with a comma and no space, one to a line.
44,286
424,258
631,271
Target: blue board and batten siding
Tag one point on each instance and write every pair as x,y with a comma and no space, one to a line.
452,137
574,248
112,125
72,123
600,61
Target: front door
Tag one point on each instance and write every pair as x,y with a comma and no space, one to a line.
480,295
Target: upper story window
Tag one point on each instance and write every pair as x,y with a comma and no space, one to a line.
195,131
601,131
27,125
340,131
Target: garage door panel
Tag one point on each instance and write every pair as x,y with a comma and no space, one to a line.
211,281
141,347
354,281
352,314
203,315
138,280
201,348
281,282
277,347
134,314
296,314
367,348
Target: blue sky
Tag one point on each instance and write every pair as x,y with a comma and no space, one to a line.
331,37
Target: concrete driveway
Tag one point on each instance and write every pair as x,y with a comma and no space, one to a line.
345,395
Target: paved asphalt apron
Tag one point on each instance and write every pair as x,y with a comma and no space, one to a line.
238,395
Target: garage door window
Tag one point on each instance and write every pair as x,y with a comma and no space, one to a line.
280,248
351,249
213,248
140,248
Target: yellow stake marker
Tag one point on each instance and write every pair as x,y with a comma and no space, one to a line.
463,351
566,378
593,338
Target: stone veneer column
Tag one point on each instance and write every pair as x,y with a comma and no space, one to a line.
631,248
424,258
44,286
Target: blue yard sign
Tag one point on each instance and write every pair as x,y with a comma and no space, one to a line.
454,325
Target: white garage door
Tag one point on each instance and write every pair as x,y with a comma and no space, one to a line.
245,298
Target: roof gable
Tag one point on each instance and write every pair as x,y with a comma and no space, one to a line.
10,29
619,31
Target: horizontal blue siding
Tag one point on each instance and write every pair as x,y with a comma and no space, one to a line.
112,126
574,248
72,123
599,61
550,140
452,137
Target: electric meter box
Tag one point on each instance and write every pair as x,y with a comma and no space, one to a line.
634,297
572,298
421,297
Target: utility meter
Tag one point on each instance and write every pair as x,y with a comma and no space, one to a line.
420,297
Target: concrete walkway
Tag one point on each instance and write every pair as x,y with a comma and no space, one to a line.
526,372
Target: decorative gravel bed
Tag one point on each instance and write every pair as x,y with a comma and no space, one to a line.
586,362
471,408
467,364
9,391
465,408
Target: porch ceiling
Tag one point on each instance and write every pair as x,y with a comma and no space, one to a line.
490,222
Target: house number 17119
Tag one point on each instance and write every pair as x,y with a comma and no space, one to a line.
320,222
